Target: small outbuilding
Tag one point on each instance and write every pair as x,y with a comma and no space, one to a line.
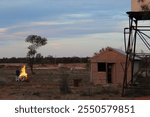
108,66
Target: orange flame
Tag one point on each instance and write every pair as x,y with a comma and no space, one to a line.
23,75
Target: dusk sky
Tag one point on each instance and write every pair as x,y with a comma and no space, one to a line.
72,27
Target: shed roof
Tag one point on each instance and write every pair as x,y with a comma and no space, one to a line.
110,49
119,51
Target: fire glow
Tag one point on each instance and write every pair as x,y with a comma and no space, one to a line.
23,75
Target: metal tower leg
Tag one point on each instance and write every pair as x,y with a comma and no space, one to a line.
130,53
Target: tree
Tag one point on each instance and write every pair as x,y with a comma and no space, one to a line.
36,42
39,58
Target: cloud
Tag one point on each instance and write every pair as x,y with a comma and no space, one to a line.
48,28
55,45
58,22
78,15
67,24
33,10
3,30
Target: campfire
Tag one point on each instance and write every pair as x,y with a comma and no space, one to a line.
23,75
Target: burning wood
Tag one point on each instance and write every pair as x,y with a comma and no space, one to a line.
23,75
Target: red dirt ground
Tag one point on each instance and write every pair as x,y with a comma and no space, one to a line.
44,85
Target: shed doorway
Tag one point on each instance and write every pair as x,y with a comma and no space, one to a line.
109,72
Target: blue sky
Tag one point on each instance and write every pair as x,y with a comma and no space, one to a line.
72,27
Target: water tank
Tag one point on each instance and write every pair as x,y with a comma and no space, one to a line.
140,5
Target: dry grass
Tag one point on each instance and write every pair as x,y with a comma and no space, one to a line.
45,85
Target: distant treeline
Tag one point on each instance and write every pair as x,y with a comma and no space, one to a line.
47,60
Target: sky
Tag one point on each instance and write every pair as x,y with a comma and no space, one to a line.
72,27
